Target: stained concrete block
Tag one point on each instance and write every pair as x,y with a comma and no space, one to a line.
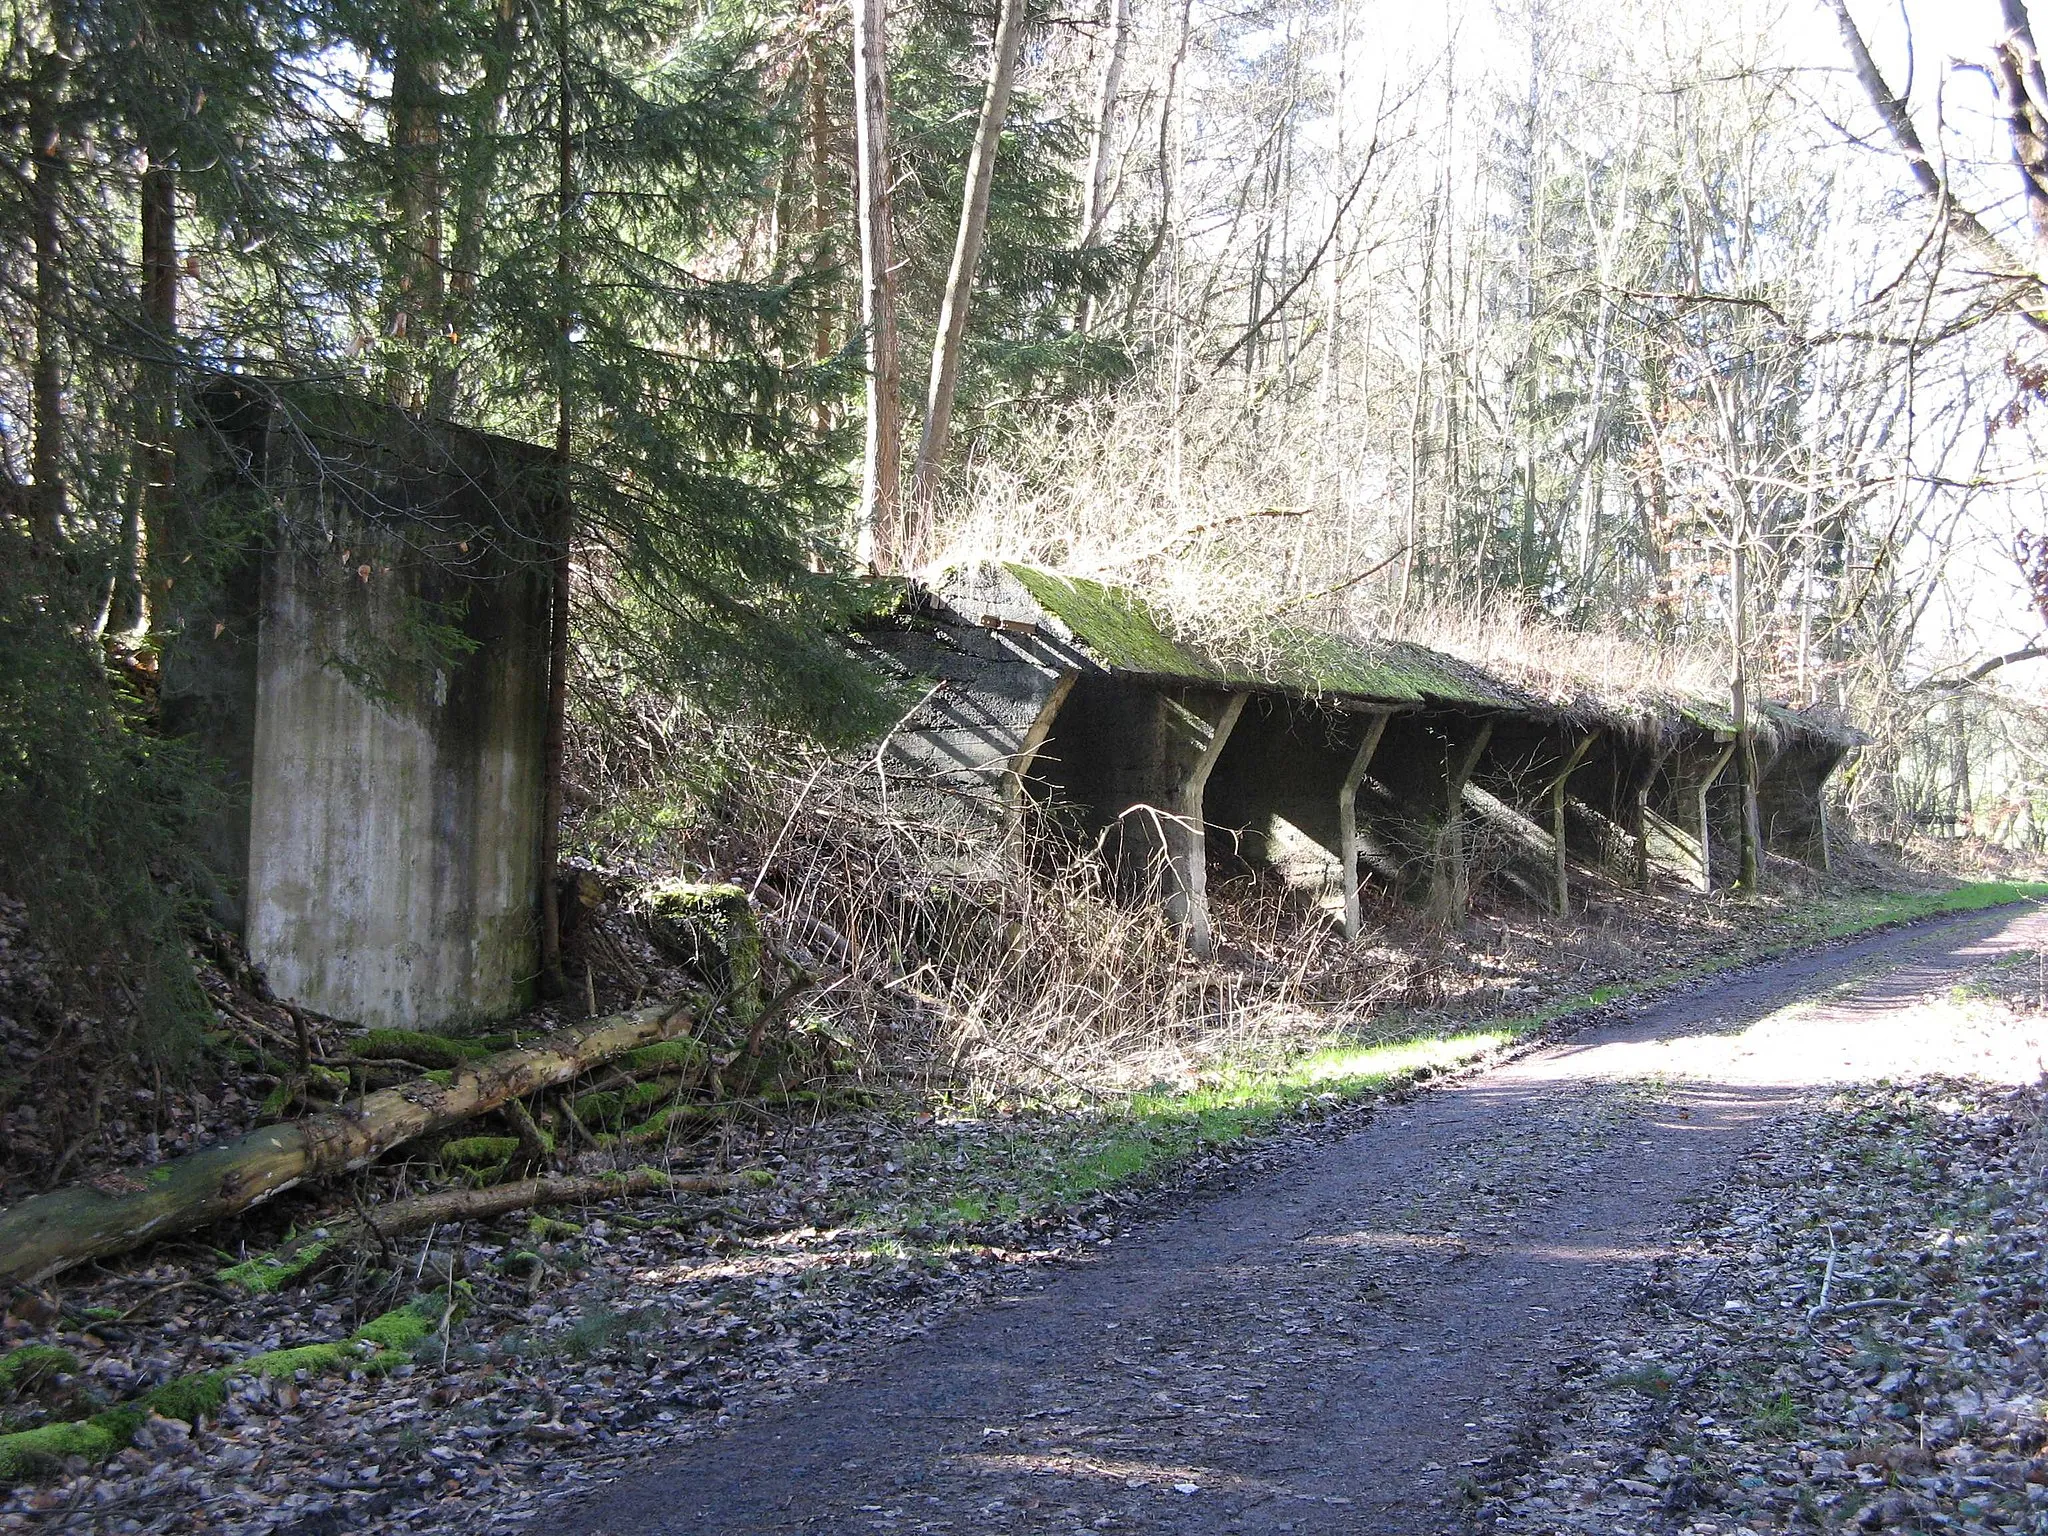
373,680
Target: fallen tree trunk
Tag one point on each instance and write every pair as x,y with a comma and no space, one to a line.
316,1249
49,1233
402,1216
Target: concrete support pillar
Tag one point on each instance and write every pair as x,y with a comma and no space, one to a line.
1347,818
1640,784
1411,804
1449,889
1561,891
1705,823
1681,824
1194,724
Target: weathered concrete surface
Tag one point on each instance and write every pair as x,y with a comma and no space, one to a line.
1275,796
1413,802
383,679
1065,691
954,767
1130,763
1679,818
1792,800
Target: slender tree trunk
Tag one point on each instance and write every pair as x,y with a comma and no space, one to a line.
821,174
421,318
143,519
554,746
1745,736
1418,447
2025,92
881,502
1160,230
1095,189
818,145
477,175
948,344
49,502
1333,313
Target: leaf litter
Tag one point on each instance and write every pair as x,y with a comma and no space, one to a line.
1855,1339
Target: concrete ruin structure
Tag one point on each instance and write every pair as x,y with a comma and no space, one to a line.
369,673
370,676
1326,761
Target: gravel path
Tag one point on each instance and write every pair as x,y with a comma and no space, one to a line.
1341,1345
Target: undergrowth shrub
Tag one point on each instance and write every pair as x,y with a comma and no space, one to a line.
963,969
93,806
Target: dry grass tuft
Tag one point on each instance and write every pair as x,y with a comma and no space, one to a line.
1030,975
1232,519
1553,662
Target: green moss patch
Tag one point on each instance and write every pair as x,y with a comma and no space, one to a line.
278,1268
32,1366
1123,633
713,927
656,1126
404,1328
417,1047
478,1151
190,1398
668,1056
42,1452
1119,627
1126,634
379,1345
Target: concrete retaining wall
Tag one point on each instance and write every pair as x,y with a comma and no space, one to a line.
1345,766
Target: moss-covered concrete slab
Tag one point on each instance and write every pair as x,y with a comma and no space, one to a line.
1122,633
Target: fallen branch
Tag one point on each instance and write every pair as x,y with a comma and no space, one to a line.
304,1255
49,1233
402,1216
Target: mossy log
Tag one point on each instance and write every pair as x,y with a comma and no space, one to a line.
421,1049
48,1233
305,1254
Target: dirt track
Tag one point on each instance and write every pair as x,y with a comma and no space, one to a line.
1329,1347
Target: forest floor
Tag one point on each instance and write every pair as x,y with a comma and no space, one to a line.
1260,1291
